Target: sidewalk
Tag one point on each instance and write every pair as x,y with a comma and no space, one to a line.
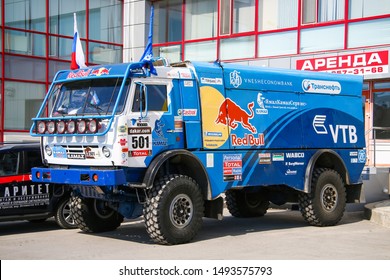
378,212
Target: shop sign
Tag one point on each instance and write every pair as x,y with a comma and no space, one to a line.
369,63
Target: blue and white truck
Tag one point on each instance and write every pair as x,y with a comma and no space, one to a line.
173,146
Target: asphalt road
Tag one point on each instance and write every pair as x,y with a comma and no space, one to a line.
279,235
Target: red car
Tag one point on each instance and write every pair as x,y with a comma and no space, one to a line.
22,199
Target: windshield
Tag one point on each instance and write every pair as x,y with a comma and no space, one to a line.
90,97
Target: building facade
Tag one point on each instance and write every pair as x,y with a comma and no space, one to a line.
340,36
36,41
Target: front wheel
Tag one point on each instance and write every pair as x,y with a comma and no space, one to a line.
325,204
173,213
92,215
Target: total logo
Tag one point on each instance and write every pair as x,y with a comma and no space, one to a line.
340,132
318,86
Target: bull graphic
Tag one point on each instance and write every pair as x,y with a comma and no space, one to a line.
230,113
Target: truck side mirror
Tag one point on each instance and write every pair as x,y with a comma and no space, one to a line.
143,99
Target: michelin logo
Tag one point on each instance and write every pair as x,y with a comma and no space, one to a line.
318,86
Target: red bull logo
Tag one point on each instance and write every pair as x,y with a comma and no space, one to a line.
79,74
101,71
232,114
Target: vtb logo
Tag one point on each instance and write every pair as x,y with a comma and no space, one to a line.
346,133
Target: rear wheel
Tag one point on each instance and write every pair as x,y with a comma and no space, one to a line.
325,204
173,213
244,204
92,215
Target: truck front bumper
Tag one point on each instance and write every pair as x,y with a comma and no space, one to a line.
87,177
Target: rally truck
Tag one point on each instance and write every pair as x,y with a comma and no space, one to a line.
173,146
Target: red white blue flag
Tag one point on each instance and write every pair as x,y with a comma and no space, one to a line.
78,58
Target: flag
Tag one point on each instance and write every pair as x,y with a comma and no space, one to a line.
147,56
78,58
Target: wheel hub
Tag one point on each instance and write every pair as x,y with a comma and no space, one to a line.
329,197
181,211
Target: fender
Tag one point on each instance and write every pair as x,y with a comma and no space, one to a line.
197,170
313,162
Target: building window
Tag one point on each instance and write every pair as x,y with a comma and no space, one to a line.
172,53
26,14
322,38
281,43
167,21
381,93
367,8
277,14
21,103
236,16
235,48
61,17
369,33
202,51
201,19
105,21
316,11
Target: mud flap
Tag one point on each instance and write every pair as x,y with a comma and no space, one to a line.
214,208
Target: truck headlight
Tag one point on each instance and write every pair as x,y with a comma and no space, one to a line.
71,127
61,127
93,126
106,152
51,127
48,150
41,127
81,126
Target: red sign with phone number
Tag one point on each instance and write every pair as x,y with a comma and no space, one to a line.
356,64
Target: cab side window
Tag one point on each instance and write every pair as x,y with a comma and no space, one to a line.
156,97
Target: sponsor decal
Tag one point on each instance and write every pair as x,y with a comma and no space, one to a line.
79,74
91,153
232,167
340,132
265,158
188,83
122,142
260,101
296,163
100,71
236,115
158,129
185,74
291,172
318,86
362,156
278,157
178,123
211,81
267,82
235,79
213,134
139,130
367,63
122,128
140,153
295,155
59,152
188,112
248,140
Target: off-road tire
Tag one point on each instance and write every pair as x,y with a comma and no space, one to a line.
244,204
325,204
174,210
91,215
63,214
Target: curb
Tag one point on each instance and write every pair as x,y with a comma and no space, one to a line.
378,212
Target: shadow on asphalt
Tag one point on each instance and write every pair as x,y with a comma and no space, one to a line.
134,230
20,227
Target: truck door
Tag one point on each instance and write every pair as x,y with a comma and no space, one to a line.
154,124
